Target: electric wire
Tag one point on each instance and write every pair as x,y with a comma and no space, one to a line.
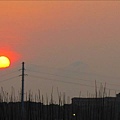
8,73
70,70
75,83
9,79
57,80
62,76
112,84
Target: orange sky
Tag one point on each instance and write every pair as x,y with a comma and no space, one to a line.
57,34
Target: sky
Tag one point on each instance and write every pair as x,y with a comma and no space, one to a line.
65,45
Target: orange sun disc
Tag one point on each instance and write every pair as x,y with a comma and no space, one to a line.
4,62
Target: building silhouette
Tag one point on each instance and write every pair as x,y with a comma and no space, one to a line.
105,108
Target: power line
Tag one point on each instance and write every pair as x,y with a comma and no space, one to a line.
75,83
113,84
62,76
40,66
58,80
9,79
8,73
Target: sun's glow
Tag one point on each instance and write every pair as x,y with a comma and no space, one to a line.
4,62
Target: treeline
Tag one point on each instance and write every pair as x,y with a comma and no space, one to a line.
35,108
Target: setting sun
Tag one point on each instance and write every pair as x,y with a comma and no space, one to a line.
4,62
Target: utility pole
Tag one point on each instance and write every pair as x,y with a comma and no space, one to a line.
22,91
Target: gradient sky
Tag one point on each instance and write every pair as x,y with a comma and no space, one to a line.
82,37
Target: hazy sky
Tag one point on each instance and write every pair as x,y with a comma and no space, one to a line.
74,39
